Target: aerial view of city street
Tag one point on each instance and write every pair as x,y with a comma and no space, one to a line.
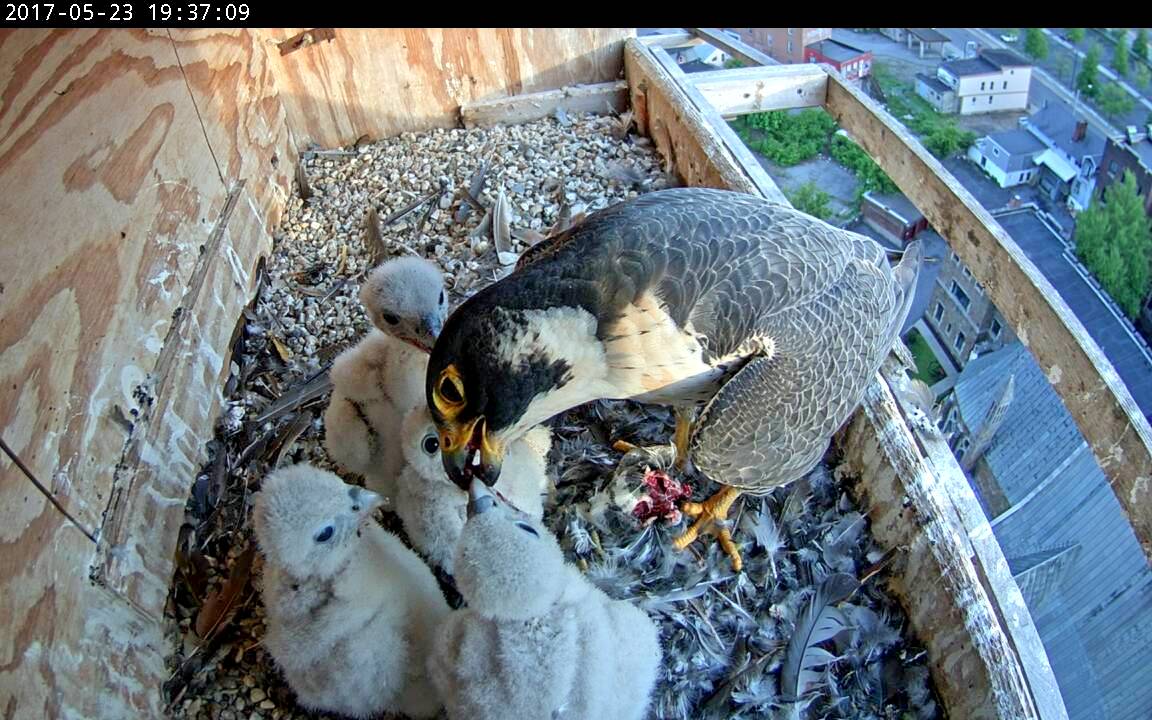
1050,130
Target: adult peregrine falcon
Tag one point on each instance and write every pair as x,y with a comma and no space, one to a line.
772,319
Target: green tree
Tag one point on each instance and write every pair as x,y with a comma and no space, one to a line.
1120,57
788,138
1114,101
811,199
1140,44
947,140
1035,44
1063,67
1142,76
1087,81
1075,34
1114,239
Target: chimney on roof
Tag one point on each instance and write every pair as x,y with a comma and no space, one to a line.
1081,130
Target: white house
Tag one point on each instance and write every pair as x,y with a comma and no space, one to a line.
995,81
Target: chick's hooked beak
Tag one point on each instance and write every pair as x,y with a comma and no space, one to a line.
470,452
431,325
480,498
364,501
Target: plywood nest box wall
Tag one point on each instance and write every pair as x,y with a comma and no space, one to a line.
143,174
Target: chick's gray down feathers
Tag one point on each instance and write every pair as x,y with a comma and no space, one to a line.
374,384
433,509
351,612
808,310
537,640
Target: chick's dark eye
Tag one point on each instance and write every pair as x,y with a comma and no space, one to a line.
325,535
390,318
449,392
528,529
431,444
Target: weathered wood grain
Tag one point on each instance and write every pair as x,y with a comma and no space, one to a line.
381,82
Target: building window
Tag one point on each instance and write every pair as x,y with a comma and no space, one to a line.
967,272
790,31
789,47
948,329
981,87
995,328
996,151
959,342
989,99
1113,167
955,258
973,99
962,298
1005,84
938,313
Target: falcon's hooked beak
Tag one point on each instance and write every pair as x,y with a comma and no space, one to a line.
469,452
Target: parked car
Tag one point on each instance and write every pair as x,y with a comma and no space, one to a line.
1010,37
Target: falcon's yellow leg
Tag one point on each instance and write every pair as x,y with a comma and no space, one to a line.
683,435
624,446
712,517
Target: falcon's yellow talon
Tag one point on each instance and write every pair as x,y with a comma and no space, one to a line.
692,509
624,446
713,515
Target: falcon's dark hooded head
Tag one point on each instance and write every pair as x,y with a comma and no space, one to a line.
496,371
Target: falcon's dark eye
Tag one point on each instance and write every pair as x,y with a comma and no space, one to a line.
449,391
431,444
441,297
527,528
390,318
325,535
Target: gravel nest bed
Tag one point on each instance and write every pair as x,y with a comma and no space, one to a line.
470,200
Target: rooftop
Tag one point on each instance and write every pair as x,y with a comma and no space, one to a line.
990,61
933,82
1060,498
897,203
1142,150
1017,142
1124,349
838,51
1003,58
1057,122
928,35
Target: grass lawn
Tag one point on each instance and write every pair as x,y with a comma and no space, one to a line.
928,369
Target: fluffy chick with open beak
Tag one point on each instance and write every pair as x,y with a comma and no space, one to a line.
405,298
376,383
537,640
433,509
351,612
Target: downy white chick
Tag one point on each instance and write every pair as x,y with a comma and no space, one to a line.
433,509
351,612
537,640
405,298
376,382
